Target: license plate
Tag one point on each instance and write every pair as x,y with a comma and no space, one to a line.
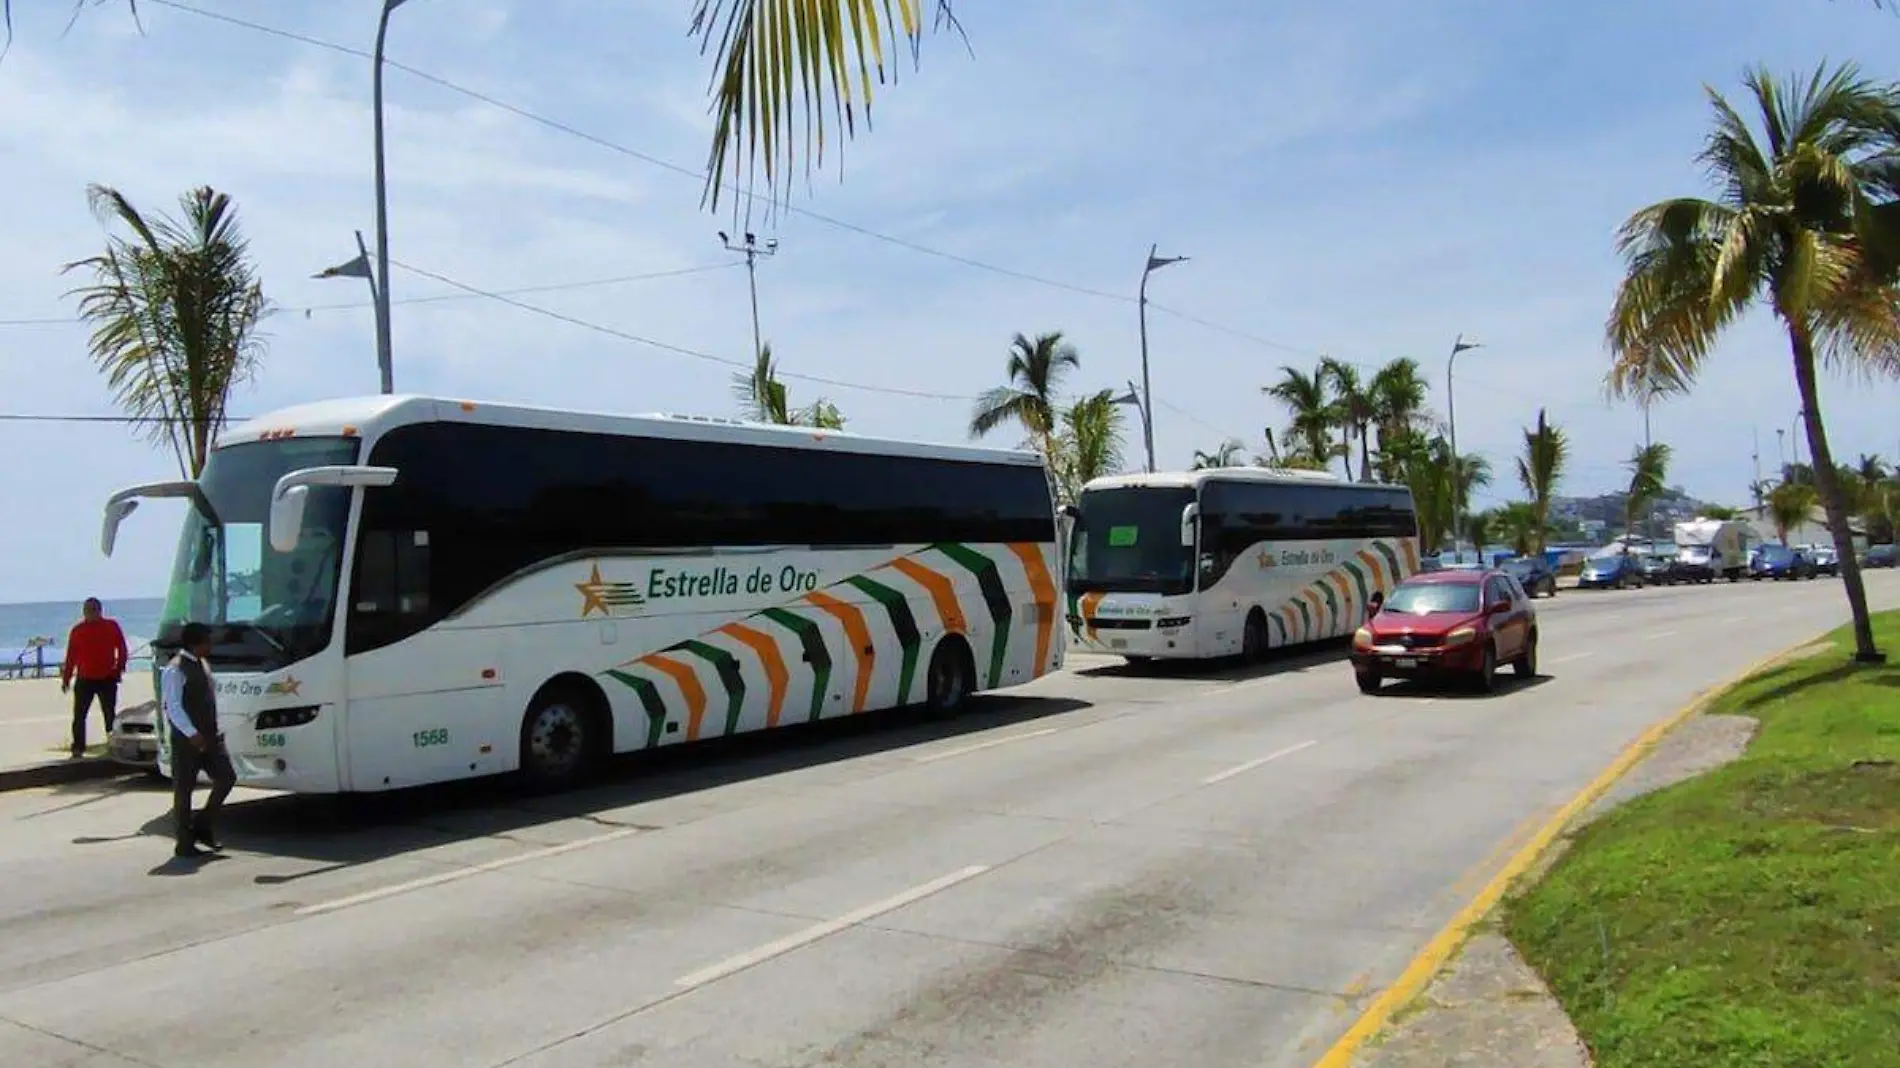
1406,662
1118,643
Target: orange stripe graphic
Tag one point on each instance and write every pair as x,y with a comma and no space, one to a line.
690,688
857,634
1409,550
942,594
774,664
1372,565
1319,611
1087,607
1347,613
1045,592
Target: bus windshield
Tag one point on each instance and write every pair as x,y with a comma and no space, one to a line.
265,608
1129,540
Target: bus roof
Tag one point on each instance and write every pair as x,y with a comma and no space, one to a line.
1281,476
372,416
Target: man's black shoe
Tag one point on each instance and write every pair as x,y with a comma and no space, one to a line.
189,851
204,835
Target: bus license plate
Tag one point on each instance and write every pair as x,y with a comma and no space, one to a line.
1406,662
1118,643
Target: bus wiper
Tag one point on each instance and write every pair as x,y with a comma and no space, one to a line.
282,649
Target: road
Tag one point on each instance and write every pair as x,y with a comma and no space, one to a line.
1100,869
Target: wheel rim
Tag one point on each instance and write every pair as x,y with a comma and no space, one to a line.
947,682
556,738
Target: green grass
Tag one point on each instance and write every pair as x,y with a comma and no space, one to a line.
1749,918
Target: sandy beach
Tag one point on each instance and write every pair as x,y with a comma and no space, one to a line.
36,719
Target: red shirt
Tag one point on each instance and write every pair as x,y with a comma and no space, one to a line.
95,651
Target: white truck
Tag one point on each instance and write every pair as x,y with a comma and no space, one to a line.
1708,549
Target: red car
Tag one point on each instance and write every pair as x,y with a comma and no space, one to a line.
1447,624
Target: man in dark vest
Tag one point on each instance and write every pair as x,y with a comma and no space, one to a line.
190,700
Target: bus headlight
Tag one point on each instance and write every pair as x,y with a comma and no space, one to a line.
277,719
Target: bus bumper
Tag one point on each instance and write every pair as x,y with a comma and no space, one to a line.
1160,639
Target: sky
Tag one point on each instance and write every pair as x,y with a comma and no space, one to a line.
1367,180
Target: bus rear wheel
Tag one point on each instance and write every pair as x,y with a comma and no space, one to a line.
950,679
558,740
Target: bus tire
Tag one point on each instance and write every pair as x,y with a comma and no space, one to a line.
950,678
563,734
1253,638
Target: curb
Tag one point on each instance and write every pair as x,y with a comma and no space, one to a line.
1431,959
60,772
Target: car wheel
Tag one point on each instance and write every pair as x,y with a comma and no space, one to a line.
1550,588
1369,681
1487,680
1526,666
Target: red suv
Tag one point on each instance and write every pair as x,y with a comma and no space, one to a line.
1446,624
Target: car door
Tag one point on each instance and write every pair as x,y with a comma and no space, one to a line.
1506,629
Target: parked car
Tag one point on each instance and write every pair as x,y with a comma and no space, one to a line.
1659,569
1617,570
1533,573
1779,562
1445,625
1825,560
1878,556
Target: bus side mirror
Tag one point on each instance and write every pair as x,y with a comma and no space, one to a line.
1189,516
116,511
292,492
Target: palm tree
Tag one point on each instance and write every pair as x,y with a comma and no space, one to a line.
1034,370
1306,398
1352,406
1806,226
1482,527
174,310
1789,506
1648,467
1541,468
1227,454
1718,511
1398,404
1089,443
1523,529
764,399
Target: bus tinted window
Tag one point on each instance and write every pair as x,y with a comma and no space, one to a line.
493,501
1236,516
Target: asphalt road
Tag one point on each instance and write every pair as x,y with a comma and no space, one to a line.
1101,869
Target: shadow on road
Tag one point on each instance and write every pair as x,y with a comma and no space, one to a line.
1230,669
338,832
1507,684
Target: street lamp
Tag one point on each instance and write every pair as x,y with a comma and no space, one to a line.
1451,417
1147,398
360,268
1133,397
752,251
384,361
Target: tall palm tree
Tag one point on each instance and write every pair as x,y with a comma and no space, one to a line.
1089,442
1398,403
1541,468
1649,470
1482,527
1789,506
174,310
1035,368
1306,398
1227,454
1522,528
764,399
1352,406
1803,222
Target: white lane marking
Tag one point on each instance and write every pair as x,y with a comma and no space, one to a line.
1252,764
817,931
977,746
1663,634
1572,658
463,873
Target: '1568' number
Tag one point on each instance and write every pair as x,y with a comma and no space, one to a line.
433,736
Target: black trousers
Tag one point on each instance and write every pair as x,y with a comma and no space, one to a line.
187,762
84,690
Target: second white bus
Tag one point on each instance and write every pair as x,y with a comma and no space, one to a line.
1230,561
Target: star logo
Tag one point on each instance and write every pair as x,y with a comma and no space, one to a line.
599,595
285,687
1264,559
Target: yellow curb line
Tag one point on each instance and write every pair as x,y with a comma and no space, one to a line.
1424,967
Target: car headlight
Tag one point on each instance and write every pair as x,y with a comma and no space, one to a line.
1362,638
1462,636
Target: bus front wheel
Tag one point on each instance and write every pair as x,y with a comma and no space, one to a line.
950,679
558,740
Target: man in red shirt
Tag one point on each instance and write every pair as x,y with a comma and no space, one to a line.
93,664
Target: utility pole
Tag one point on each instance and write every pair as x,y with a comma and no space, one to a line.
753,250
1147,393
385,361
1458,345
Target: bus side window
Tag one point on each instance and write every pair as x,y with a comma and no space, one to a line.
392,573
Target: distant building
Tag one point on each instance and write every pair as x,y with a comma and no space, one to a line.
1811,532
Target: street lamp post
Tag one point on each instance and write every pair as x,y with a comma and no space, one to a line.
1458,345
1134,397
1147,396
360,268
752,250
384,360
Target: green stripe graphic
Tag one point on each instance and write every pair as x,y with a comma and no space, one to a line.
813,641
1359,579
902,622
1306,617
993,595
1332,602
728,667
1392,559
649,695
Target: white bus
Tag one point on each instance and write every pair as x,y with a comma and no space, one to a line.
408,590
1236,560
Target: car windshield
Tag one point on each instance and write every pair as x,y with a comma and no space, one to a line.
1424,598
266,608
1129,540
1776,554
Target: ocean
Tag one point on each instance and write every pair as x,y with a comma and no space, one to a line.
20,624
